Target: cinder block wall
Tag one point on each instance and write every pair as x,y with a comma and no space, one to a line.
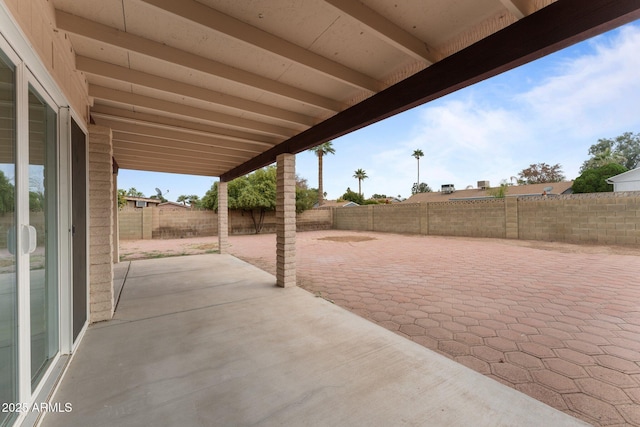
474,218
101,202
396,218
179,223
603,218
151,222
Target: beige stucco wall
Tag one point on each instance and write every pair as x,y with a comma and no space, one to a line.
37,19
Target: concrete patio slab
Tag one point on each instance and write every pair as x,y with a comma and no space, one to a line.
209,340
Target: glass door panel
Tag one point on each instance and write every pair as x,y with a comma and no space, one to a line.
8,283
42,216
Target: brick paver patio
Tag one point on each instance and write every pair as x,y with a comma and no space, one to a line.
560,323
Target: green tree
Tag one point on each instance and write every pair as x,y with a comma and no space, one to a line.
122,201
7,195
623,150
422,188
417,154
541,173
191,199
352,196
360,174
132,192
595,180
499,192
320,151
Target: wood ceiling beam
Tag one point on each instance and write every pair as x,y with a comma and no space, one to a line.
518,8
207,141
139,78
122,147
146,119
550,29
232,156
132,99
140,162
255,37
386,30
93,30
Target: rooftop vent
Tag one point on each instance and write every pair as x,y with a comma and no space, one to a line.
448,188
483,185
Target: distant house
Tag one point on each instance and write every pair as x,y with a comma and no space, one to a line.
336,204
626,181
140,202
549,189
172,206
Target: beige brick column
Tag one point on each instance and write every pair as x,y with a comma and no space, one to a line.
286,221
223,218
101,209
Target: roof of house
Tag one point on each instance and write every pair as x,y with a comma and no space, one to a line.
142,199
632,175
172,205
563,187
336,204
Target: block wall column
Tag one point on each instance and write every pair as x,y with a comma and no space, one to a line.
101,234
286,221
511,217
223,218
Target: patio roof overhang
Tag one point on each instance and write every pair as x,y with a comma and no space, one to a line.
221,87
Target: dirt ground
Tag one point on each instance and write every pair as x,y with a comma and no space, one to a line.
158,248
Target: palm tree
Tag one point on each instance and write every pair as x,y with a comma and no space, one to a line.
321,150
417,154
360,174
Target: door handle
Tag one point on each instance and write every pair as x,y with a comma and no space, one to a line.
29,239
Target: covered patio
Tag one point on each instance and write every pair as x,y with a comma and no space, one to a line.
188,347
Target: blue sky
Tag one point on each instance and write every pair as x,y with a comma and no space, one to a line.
551,110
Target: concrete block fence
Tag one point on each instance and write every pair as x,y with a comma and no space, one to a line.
600,218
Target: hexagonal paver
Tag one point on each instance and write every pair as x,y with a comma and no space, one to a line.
427,323
474,363
511,373
512,335
563,367
631,413
487,354
453,348
501,344
594,408
380,316
482,331
536,349
618,364
524,329
412,330
583,347
439,333
603,391
523,359
468,338
624,353
574,356
610,376
554,381
542,394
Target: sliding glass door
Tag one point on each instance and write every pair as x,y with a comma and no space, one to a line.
29,284
42,217
8,232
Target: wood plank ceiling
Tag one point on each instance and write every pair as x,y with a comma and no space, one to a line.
220,87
